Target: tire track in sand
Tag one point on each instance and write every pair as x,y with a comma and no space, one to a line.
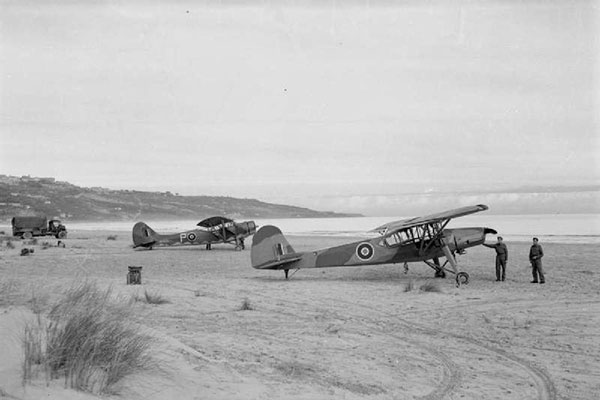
544,385
451,372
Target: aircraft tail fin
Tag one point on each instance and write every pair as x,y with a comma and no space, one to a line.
143,235
271,250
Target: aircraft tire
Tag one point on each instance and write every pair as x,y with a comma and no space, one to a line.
27,235
440,274
61,235
462,278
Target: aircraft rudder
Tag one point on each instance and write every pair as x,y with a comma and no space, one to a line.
268,246
143,235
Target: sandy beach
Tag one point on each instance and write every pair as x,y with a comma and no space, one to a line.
342,333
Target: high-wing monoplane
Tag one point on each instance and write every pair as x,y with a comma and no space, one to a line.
416,239
212,230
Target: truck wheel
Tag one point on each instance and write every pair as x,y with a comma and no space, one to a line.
27,235
61,234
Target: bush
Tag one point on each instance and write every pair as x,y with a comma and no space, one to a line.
112,237
89,340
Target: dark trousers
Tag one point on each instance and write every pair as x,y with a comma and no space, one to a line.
537,271
500,268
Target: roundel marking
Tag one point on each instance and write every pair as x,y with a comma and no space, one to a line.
365,251
191,236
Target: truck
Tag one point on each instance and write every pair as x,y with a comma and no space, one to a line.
28,227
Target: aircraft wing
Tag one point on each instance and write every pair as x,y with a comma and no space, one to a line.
213,221
395,226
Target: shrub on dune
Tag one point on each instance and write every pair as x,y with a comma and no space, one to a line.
90,341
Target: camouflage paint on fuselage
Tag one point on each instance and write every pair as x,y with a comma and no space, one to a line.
364,252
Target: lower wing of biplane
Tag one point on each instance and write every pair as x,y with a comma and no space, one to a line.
418,239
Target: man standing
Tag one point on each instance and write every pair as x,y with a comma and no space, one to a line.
501,258
535,256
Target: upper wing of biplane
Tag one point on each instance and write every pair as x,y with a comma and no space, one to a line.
213,221
395,226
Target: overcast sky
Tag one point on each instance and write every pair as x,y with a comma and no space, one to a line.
308,103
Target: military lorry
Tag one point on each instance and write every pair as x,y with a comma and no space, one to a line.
28,227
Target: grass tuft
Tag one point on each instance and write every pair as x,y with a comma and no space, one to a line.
33,356
150,298
111,237
410,286
246,306
88,339
430,286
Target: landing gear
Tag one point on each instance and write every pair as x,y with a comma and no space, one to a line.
208,246
439,270
462,278
440,273
239,245
286,271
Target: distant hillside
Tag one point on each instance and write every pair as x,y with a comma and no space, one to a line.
45,196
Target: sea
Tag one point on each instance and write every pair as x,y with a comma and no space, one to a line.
555,228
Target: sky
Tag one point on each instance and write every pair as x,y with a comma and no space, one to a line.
339,105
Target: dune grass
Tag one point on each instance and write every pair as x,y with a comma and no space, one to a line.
88,339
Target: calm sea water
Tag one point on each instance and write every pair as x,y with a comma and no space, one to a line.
564,228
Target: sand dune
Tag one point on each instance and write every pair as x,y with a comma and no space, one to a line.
343,333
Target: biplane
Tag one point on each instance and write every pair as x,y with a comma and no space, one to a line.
211,230
423,239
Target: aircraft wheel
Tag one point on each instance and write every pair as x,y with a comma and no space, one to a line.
462,278
27,235
440,273
61,235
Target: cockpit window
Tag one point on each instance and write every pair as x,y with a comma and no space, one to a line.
399,238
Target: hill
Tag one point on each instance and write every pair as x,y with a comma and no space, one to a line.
46,196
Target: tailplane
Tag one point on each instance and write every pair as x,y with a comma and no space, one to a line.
143,235
271,250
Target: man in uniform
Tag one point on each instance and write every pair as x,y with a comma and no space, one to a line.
501,258
535,256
